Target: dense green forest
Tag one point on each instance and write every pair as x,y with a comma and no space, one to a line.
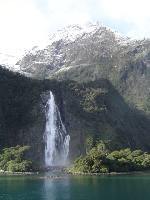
14,159
101,160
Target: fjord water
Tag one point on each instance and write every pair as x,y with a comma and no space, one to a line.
118,187
56,137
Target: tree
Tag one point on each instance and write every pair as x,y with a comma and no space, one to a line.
13,159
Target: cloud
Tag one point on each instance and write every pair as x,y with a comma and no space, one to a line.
25,23
68,12
127,10
133,12
21,24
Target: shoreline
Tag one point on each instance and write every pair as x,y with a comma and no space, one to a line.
5,173
107,174
18,173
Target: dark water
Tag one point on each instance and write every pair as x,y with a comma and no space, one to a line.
120,187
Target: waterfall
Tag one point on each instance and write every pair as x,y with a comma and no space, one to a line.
56,138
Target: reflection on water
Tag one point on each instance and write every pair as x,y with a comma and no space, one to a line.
57,188
135,187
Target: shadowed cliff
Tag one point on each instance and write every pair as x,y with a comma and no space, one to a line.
94,108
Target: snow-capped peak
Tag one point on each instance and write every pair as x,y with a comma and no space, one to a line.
72,32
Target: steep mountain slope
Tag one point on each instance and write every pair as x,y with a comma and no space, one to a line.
21,118
93,109
97,109
93,52
72,46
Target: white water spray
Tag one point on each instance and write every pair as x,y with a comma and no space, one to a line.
56,138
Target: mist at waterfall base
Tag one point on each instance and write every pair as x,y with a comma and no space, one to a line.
56,137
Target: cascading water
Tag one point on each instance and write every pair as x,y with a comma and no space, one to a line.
56,138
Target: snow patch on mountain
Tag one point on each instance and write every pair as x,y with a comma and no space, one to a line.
6,59
71,46
9,58
73,32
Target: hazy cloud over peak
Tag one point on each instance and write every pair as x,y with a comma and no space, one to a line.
25,23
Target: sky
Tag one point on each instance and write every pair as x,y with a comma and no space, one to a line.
26,23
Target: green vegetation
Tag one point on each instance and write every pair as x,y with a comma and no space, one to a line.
101,112
100,160
13,159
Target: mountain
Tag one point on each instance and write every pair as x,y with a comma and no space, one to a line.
72,46
94,109
100,81
91,52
